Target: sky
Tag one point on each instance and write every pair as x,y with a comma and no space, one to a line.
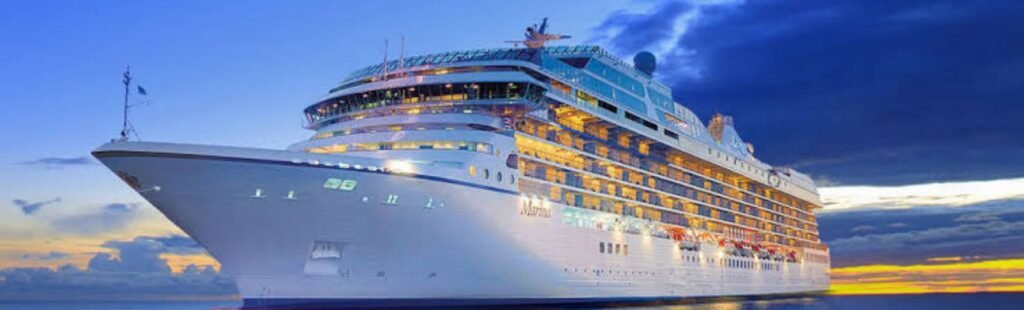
906,113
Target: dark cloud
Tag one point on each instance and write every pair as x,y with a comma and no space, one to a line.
860,92
137,272
130,260
52,255
178,244
28,208
908,236
142,254
58,162
110,217
634,31
71,283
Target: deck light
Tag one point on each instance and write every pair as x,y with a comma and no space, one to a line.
400,166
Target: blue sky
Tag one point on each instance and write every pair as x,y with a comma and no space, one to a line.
892,106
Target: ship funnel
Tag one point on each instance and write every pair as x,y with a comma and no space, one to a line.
645,62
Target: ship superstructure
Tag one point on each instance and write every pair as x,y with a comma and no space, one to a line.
495,176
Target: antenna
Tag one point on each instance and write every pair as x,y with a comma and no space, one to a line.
401,54
124,124
127,128
385,70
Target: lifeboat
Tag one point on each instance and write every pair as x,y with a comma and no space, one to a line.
689,245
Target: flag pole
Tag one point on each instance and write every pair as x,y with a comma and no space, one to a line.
124,123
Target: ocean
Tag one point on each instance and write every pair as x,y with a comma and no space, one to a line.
977,301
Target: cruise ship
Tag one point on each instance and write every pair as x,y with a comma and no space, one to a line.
505,176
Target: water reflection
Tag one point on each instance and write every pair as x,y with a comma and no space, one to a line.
987,301
766,304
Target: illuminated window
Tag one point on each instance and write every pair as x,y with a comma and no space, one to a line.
472,171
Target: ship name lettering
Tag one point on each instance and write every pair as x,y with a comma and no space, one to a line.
535,211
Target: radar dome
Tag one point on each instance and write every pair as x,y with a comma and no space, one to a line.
645,62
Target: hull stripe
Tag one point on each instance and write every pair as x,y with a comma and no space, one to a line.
464,302
110,154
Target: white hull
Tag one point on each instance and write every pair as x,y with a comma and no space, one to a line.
470,245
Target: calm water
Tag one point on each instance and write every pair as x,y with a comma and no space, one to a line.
908,302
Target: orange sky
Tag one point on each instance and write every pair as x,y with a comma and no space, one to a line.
949,276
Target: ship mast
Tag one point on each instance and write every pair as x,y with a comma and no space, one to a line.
124,123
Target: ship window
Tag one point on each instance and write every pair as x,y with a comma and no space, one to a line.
607,106
602,247
671,134
650,125
487,173
498,177
512,161
617,248
472,171
632,117
512,179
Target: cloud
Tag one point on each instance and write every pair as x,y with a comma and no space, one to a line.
59,162
28,208
655,29
52,255
142,254
856,92
70,283
988,229
130,260
110,217
991,238
863,228
178,244
636,31
135,272
933,194
978,217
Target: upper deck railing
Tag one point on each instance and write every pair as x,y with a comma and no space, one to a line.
491,54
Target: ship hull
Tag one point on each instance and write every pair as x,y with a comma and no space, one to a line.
289,237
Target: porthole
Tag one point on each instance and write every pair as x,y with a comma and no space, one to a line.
498,176
487,173
512,179
472,171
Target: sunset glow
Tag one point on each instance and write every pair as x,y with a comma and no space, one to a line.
1006,275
